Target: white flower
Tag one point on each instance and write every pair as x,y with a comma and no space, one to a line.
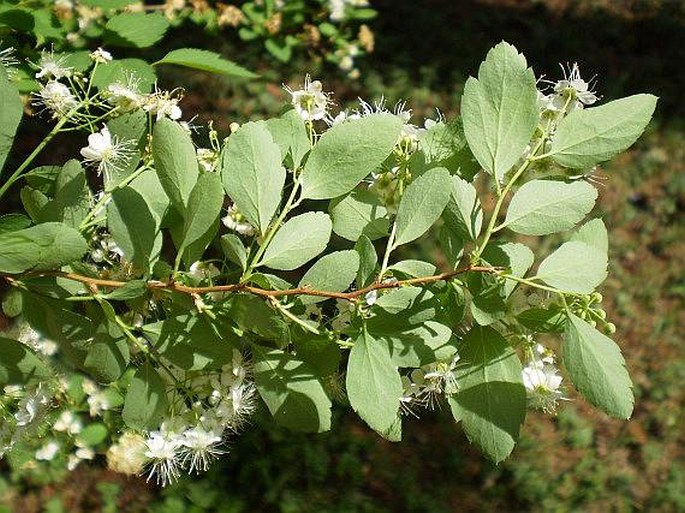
542,380
125,96
576,87
51,67
163,104
56,97
106,152
48,451
163,455
101,56
13,391
31,406
68,422
442,374
235,221
310,102
371,297
200,448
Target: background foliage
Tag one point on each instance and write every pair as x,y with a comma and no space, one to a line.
580,460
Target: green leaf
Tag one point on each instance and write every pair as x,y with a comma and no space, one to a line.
463,213
12,303
11,111
541,207
134,218
41,247
72,200
333,272
347,153
373,383
422,204
420,345
129,128
319,351
202,216
234,249
543,320
206,61
491,401
175,162
131,290
444,145
13,223
500,110
597,368
93,434
298,241
413,268
403,307
589,136
593,233
19,365
33,201
574,267
368,258
191,342
120,71
252,173
253,314
292,391
108,356
452,245
290,134
146,400
360,212
138,30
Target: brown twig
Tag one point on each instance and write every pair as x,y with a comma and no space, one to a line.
242,287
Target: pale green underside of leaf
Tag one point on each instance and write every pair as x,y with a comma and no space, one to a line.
597,368
593,233
500,110
491,401
298,241
252,174
206,61
422,204
373,384
347,153
292,391
590,136
541,207
574,267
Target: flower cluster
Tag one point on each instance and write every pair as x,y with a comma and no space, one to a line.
338,8
214,407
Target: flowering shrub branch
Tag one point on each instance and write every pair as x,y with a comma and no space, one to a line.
162,291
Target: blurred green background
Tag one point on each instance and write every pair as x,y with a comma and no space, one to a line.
579,460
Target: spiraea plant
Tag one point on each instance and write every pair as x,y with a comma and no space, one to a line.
160,292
